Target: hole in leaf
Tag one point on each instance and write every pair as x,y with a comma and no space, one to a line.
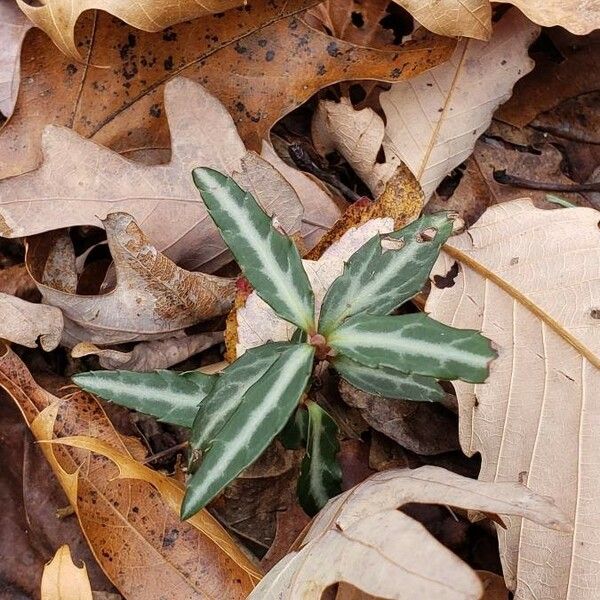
447,280
357,19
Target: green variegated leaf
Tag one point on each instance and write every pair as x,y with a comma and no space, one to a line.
415,344
320,473
388,383
293,435
262,414
227,393
167,395
386,271
268,259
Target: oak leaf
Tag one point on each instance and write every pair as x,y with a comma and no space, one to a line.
360,534
473,18
80,181
530,280
13,27
58,17
133,531
433,120
153,297
63,580
121,106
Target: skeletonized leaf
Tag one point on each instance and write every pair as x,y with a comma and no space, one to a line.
362,539
24,322
415,344
229,390
320,473
386,271
169,396
530,279
153,297
265,409
269,260
388,383
63,580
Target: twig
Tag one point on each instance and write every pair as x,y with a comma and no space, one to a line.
504,178
166,452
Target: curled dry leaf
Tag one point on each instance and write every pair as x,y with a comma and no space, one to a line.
58,17
80,181
63,580
13,27
473,18
153,297
530,280
149,356
133,531
362,539
257,323
433,120
24,323
122,106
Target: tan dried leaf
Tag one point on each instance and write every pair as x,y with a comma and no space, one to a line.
133,531
362,539
473,18
13,27
153,297
148,356
433,120
80,181
530,280
24,323
63,580
58,17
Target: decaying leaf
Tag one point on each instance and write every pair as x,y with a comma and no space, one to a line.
434,120
133,530
24,323
473,18
530,280
58,17
13,27
149,356
80,181
63,580
362,539
153,297
121,107
256,321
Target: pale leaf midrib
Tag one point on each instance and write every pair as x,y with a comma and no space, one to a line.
522,299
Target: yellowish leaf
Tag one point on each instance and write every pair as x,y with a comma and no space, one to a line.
63,580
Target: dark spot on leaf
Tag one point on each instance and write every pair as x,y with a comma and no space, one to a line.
168,63
332,49
262,43
169,35
71,69
240,49
321,69
155,111
270,55
170,538
595,313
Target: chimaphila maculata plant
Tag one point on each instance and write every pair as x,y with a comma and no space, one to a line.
236,414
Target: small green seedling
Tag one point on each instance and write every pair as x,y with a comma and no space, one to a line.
236,414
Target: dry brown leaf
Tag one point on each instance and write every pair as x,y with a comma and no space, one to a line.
553,81
257,323
153,297
80,181
425,428
63,580
273,61
361,538
13,27
473,18
16,281
493,586
134,532
530,280
148,356
24,323
477,189
58,17
434,120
